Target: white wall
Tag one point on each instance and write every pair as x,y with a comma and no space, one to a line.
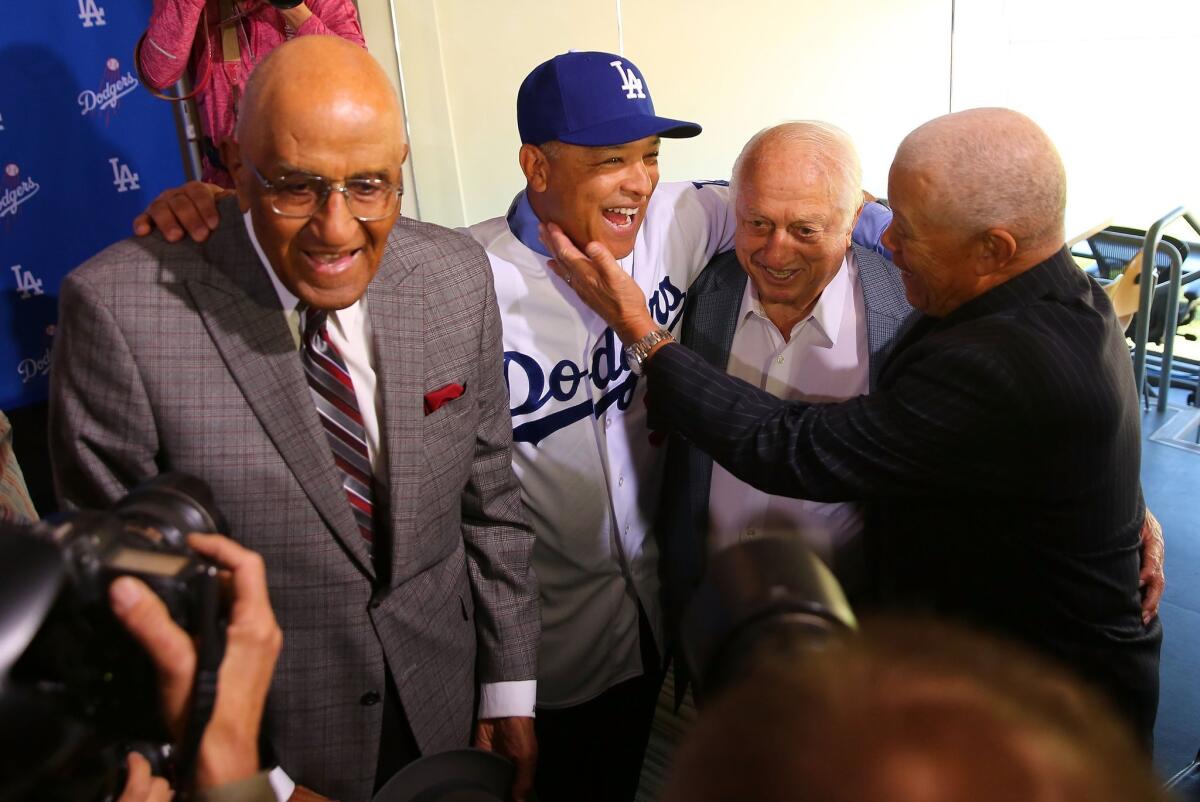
376,19
732,68
877,68
1112,82
1106,79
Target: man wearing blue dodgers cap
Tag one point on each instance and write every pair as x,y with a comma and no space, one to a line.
589,466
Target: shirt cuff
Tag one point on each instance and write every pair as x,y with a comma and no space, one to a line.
507,699
252,789
281,784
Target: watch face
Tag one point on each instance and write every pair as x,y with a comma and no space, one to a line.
634,358
636,353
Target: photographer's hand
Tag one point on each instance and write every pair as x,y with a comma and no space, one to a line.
229,746
142,786
295,16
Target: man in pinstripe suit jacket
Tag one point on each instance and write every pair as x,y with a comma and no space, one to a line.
999,458
820,328
184,357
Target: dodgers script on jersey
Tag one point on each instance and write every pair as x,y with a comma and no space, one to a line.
590,468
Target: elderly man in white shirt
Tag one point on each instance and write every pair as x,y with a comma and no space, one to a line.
814,322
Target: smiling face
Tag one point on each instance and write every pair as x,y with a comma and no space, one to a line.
791,235
935,260
595,194
336,126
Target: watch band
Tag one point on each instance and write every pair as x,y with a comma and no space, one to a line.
636,353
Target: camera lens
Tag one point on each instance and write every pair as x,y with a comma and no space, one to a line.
175,504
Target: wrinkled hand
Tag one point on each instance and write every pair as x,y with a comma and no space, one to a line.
1152,580
600,283
229,746
514,739
142,786
191,207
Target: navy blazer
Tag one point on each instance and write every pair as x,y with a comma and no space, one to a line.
710,320
999,465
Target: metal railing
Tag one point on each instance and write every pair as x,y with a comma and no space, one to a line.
1146,302
187,129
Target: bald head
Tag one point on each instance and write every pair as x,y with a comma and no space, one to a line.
824,149
989,168
321,80
912,712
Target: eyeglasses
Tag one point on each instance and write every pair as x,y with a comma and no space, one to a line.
302,195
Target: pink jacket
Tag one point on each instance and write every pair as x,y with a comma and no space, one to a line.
171,44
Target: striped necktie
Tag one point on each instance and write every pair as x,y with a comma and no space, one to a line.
333,393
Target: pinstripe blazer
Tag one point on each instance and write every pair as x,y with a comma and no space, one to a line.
177,357
998,461
709,324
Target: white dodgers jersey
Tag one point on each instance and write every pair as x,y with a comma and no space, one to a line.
590,468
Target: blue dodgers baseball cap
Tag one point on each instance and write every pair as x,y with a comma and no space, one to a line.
591,99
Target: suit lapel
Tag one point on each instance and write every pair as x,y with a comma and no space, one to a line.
709,326
241,311
396,308
887,311
712,318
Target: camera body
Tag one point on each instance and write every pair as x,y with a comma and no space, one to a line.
76,691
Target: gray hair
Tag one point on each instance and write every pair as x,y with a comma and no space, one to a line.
552,149
832,151
987,168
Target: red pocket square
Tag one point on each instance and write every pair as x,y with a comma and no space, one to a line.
436,398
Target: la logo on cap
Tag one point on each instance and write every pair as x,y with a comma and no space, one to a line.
630,83
571,99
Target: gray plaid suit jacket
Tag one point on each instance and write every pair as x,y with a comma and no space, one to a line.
177,357
709,323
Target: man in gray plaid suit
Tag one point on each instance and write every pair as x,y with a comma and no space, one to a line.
403,584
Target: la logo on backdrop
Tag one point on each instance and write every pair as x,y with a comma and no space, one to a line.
91,14
114,85
124,179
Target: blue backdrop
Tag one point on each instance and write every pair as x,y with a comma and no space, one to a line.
83,149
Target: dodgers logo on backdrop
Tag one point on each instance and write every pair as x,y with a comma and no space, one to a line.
629,80
28,285
1,122
34,367
90,13
531,386
114,85
17,190
124,179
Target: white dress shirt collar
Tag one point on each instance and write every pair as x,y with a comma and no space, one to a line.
826,315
